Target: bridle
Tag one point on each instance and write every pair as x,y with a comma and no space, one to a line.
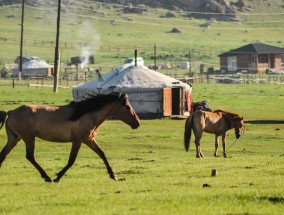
232,145
243,132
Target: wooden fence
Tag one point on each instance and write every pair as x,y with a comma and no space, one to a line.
69,79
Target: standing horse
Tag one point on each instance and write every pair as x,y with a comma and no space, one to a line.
77,122
217,122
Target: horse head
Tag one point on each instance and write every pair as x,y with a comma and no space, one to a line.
235,121
126,113
238,125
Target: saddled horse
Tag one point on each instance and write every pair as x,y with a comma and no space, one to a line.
217,122
76,122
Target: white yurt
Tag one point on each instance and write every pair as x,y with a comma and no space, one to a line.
34,68
151,94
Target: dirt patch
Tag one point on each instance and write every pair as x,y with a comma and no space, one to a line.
143,191
129,172
135,159
149,161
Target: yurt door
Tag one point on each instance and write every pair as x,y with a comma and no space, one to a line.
167,101
176,101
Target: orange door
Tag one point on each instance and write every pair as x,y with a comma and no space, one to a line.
167,101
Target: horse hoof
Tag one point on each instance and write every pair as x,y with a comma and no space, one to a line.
48,179
56,180
112,176
200,156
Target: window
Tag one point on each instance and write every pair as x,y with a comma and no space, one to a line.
232,64
282,60
253,59
263,58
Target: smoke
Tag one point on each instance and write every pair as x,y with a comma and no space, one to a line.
84,33
84,57
87,38
89,42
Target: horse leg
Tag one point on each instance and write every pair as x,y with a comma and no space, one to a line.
224,144
216,144
30,149
93,145
199,153
11,143
73,154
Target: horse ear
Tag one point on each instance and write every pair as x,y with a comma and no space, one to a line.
124,95
242,118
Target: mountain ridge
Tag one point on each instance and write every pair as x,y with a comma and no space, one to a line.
209,9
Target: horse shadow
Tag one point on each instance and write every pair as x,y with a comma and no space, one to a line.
266,121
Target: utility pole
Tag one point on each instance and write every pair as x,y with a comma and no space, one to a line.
155,56
189,59
56,55
135,57
21,44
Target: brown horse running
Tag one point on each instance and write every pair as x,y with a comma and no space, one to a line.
217,122
77,122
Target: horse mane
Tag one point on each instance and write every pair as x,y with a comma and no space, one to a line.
92,103
228,113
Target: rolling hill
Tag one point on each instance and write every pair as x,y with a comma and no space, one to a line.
111,31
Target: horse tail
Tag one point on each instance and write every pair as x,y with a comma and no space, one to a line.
187,132
3,116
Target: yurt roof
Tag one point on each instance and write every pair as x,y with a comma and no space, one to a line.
133,77
35,64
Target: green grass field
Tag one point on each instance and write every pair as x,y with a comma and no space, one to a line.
85,25
160,177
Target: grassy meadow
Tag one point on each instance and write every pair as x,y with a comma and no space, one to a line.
160,177
111,36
